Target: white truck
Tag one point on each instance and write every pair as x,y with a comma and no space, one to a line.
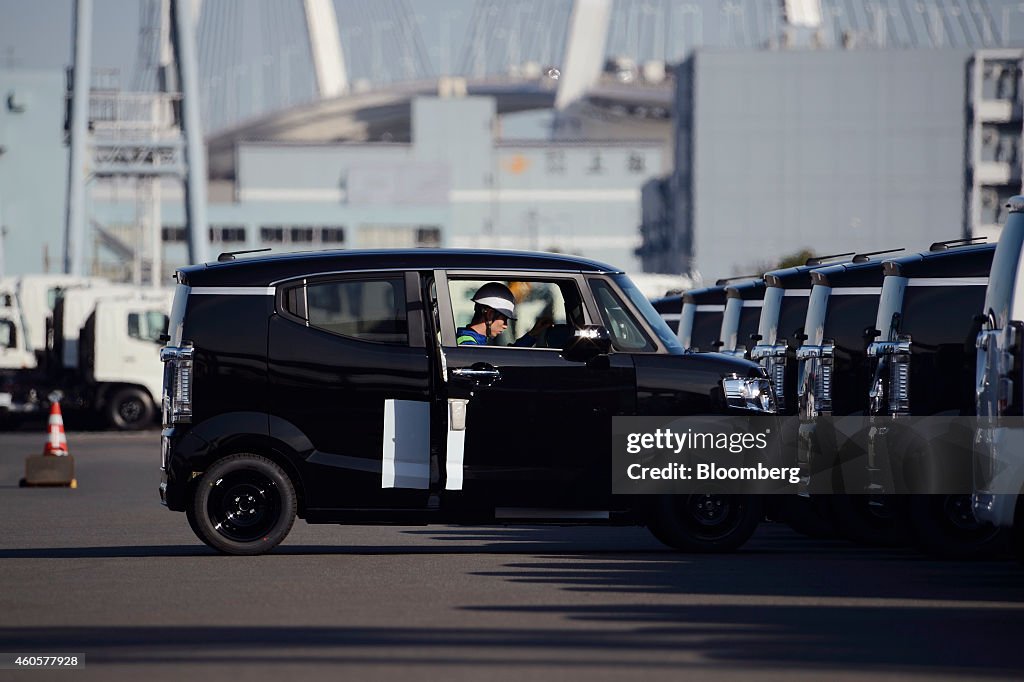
36,296
105,355
16,358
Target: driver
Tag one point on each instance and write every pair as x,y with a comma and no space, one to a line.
495,306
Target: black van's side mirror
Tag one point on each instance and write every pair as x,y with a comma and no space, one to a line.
587,343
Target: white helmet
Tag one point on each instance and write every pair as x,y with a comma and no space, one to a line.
497,296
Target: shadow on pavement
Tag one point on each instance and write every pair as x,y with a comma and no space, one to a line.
977,642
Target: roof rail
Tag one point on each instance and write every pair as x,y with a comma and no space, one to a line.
953,243
230,255
726,280
818,260
865,257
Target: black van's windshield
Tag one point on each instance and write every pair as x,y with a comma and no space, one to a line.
817,307
655,320
889,305
769,324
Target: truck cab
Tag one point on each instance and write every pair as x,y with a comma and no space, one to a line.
337,386
37,295
16,358
119,358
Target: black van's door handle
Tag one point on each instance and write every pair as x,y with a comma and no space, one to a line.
477,375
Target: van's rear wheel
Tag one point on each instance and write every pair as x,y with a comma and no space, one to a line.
705,523
944,526
871,520
130,409
244,504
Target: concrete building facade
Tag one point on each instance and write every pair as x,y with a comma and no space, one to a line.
833,151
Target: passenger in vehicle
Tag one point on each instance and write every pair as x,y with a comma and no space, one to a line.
494,306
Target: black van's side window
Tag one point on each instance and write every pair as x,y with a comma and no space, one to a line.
368,310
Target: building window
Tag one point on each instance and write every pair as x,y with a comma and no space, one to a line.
227,234
301,235
555,162
332,235
637,162
272,234
428,237
172,234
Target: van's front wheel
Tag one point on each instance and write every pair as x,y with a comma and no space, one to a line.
244,504
705,523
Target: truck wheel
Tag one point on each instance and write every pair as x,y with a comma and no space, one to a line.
705,523
130,409
871,520
244,504
944,526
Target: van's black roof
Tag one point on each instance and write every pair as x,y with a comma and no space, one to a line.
265,270
707,295
865,274
963,261
752,290
798,277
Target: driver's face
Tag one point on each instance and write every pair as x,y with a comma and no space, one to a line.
498,323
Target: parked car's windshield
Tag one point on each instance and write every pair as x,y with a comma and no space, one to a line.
656,322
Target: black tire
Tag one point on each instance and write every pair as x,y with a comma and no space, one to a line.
705,523
1017,530
244,505
193,523
944,526
871,520
130,409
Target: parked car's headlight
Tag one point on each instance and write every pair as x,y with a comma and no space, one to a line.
749,394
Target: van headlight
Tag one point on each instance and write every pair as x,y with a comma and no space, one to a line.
749,394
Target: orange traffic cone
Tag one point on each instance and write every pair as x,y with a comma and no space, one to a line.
57,440
56,466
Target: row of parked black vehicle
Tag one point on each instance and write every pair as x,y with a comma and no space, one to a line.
882,337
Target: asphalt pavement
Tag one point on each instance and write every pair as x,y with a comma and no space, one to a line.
106,571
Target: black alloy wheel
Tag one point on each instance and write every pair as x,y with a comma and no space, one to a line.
944,526
705,523
244,504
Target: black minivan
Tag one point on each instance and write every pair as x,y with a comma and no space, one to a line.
923,364
332,385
